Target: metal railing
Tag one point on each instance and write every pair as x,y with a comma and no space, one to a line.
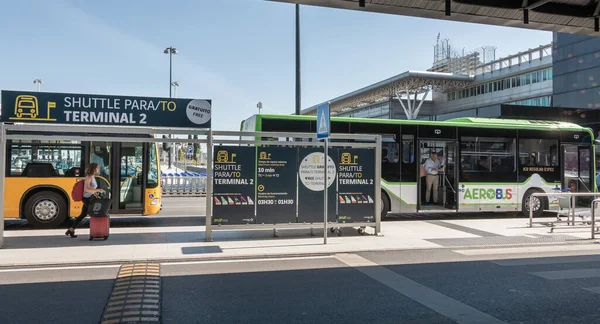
594,229
183,184
571,210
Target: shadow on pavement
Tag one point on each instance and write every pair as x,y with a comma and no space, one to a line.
118,239
329,292
121,222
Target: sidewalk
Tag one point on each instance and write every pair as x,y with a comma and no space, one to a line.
38,247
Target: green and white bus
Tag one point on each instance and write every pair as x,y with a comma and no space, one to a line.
491,165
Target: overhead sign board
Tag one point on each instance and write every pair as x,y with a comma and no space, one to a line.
92,109
323,121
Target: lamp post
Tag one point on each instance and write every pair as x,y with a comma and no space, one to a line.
298,83
170,50
38,82
259,106
175,84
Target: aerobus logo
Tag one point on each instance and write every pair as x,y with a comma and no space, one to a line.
491,194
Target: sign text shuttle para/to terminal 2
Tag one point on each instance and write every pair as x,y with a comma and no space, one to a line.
93,109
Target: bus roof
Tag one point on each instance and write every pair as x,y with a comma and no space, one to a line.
463,121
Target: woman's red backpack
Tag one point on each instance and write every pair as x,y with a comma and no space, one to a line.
77,192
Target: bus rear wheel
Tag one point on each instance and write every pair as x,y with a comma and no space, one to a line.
539,203
45,209
385,205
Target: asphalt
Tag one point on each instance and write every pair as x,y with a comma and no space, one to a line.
55,295
440,286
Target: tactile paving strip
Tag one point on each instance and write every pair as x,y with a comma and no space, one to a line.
135,297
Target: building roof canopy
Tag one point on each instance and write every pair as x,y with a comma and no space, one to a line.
408,82
566,16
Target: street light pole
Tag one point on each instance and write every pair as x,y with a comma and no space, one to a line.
38,82
298,95
175,84
170,50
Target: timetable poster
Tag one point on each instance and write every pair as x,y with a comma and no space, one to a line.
276,185
234,188
356,186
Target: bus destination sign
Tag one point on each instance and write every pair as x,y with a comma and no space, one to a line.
82,109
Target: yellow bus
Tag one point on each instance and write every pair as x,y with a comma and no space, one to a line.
40,175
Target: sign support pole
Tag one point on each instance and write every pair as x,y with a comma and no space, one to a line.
2,178
326,151
209,187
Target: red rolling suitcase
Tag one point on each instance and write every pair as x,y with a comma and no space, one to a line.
99,218
99,227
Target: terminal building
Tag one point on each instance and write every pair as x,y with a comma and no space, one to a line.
558,81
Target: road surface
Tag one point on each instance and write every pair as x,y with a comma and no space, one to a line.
435,286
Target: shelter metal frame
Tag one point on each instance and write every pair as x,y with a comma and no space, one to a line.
147,135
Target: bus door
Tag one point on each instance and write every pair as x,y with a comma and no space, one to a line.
442,195
577,170
129,162
438,192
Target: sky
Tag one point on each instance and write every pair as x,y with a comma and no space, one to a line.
235,52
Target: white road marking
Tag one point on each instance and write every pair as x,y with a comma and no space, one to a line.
442,304
568,274
244,260
61,268
547,260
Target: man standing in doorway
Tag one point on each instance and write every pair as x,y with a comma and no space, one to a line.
432,166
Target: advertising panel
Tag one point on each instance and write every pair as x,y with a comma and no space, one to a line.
311,185
276,185
234,188
356,186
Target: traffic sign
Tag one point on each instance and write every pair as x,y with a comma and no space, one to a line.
323,125
190,149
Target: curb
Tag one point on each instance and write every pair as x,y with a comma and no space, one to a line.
278,256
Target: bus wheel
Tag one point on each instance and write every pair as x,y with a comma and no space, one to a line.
385,205
45,209
539,203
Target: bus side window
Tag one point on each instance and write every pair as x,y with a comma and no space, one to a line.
65,159
408,171
390,169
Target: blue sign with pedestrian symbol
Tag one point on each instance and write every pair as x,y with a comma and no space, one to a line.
323,121
190,149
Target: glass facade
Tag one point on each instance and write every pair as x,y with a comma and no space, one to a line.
378,110
502,84
576,62
545,101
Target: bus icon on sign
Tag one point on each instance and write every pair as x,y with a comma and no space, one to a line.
26,106
438,131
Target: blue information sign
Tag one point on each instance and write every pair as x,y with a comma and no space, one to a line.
323,121
94,109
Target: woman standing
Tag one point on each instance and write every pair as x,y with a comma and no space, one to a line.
89,189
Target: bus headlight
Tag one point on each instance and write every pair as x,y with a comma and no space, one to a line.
155,202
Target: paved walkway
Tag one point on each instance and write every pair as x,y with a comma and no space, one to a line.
28,247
